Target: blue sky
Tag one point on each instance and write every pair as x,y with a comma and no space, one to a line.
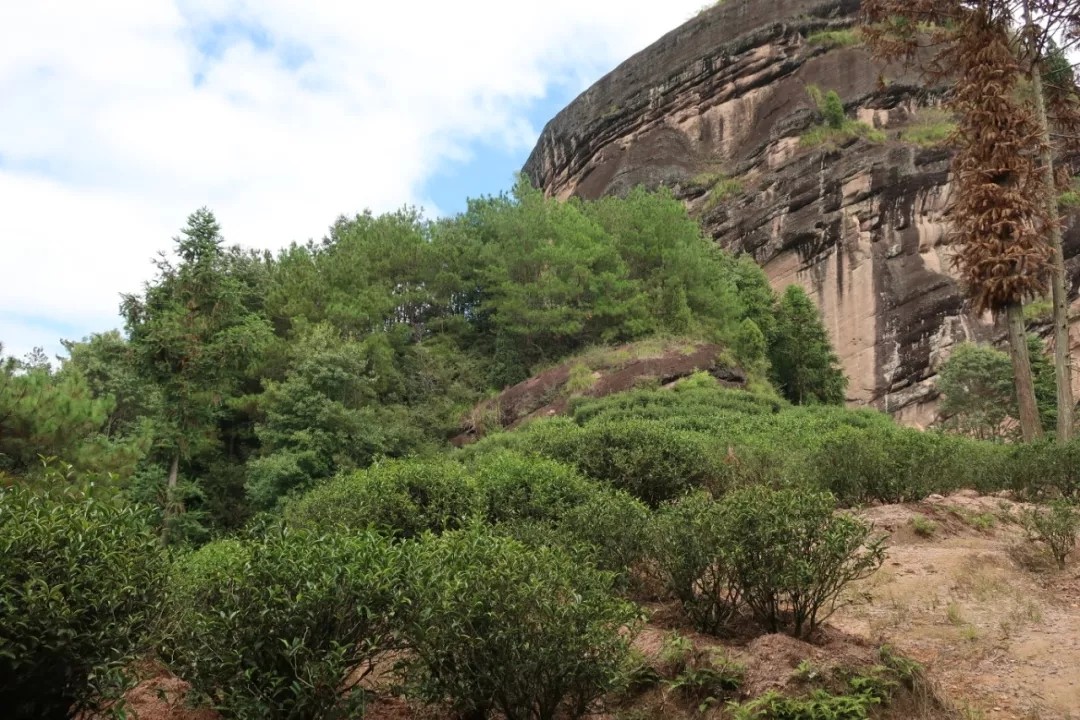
122,116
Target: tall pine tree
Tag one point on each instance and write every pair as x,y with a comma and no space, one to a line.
805,368
193,335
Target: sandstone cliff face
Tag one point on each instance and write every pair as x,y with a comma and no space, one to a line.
860,224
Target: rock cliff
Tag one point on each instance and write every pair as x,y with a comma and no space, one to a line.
718,109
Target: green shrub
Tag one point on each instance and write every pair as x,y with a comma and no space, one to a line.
693,560
400,497
932,127
649,460
1046,470
80,583
513,486
923,526
496,626
1056,527
579,379
886,464
819,705
832,110
613,525
282,626
792,555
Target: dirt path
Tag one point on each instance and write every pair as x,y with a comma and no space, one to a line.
1001,636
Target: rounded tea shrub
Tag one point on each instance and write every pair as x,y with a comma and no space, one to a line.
792,554
516,487
403,498
692,558
494,625
282,626
80,585
649,460
612,525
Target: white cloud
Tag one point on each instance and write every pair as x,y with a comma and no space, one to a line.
115,124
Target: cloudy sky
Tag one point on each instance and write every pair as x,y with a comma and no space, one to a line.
120,117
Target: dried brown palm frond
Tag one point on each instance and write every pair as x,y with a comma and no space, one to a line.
997,218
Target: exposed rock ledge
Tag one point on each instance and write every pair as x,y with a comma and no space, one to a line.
604,373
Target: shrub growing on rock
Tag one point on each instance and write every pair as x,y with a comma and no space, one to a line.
401,497
495,626
792,554
283,625
80,581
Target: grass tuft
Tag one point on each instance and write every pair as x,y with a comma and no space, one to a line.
835,38
932,127
851,129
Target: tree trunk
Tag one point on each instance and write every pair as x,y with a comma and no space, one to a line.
172,505
1062,359
1030,425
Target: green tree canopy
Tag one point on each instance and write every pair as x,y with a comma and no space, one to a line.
805,368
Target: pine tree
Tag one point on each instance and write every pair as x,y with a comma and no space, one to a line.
192,335
805,368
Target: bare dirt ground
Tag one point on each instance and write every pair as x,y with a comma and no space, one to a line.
996,626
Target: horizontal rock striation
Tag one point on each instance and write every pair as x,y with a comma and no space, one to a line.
716,111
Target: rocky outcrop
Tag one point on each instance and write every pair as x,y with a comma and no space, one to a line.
859,222
597,374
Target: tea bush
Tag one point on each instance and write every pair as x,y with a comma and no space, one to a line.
791,554
1045,470
1056,527
493,625
647,459
613,526
80,581
692,559
282,625
513,486
400,497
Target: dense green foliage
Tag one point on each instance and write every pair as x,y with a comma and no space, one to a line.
47,414
284,625
791,554
80,583
805,368
245,378
743,438
979,397
399,498
783,555
689,545
494,625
